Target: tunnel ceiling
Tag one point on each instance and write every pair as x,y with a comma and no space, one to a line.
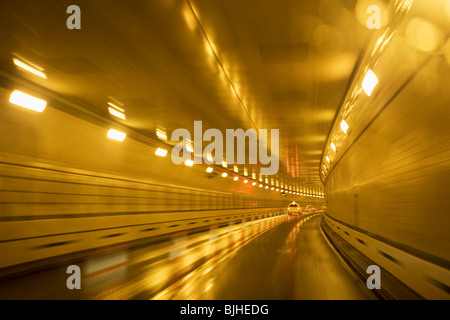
230,63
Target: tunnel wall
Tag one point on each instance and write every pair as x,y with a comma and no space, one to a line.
393,181
66,188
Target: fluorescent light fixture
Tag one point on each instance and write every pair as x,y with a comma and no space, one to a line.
254,184
333,147
27,67
115,107
189,146
344,126
261,186
26,101
117,114
246,181
161,134
370,82
189,163
267,187
236,178
328,159
272,188
224,175
116,135
277,190
209,170
161,152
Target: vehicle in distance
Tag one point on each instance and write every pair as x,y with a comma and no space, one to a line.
294,209
310,208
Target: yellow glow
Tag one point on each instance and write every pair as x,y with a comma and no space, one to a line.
161,152
246,181
236,169
424,35
328,159
370,82
25,66
261,186
224,175
116,135
272,189
333,147
117,114
344,126
26,101
254,184
277,190
267,187
236,178
189,163
209,170
224,164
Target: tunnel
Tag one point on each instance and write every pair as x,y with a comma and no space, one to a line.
225,150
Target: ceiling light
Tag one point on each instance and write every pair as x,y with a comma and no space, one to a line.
254,184
209,170
117,114
189,146
189,163
246,181
236,178
161,152
115,107
26,101
333,147
370,82
161,134
116,135
224,175
344,126
328,159
27,67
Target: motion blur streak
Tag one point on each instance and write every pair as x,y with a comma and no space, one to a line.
364,140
